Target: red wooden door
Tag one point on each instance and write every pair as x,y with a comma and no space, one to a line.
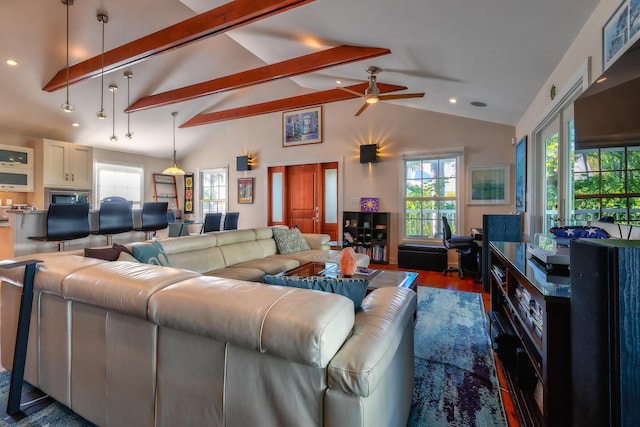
304,211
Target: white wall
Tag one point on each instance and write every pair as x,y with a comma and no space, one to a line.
396,129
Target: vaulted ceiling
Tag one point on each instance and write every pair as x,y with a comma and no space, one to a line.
214,61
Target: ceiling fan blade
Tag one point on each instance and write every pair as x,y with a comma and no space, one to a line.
353,92
401,96
364,106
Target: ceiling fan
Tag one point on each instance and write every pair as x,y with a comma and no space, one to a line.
372,93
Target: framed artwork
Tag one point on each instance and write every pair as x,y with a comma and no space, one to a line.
245,190
488,185
521,175
188,193
301,127
615,33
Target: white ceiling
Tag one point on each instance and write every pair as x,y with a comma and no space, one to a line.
496,51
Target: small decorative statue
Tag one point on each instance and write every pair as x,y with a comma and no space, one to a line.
348,262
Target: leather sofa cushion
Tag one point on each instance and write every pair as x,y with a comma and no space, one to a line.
124,287
294,324
379,326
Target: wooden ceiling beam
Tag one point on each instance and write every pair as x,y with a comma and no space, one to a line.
224,18
301,101
293,67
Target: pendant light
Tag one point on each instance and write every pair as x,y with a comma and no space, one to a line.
174,170
113,88
67,107
103,18
128,75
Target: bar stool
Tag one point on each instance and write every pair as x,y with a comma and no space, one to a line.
154,218
114,217
66,221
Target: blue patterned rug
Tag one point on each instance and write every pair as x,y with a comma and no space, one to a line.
456,382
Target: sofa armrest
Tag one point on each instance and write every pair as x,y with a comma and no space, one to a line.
317,241
379,327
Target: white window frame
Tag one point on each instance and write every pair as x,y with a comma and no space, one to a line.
201,172
119,167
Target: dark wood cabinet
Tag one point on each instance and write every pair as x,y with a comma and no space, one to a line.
530,331
368,233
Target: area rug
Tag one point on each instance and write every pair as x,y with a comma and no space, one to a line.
455,373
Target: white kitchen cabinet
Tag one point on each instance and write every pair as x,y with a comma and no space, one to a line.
67,165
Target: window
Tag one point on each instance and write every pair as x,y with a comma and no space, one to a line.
430,192
120,180
607,183
214,194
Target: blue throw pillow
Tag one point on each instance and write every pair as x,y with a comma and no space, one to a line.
354,289
151,254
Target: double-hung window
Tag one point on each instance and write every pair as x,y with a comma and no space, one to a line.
214,190
120,180
430,192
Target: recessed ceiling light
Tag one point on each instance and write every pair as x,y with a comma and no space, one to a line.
453,100
75,125
478,104
12,62
338,82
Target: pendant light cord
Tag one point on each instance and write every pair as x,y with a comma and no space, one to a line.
68,1
102,73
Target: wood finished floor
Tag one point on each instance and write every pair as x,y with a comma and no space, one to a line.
451,281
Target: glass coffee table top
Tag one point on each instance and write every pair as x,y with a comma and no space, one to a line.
377,278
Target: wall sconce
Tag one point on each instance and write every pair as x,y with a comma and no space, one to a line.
369,153
243,163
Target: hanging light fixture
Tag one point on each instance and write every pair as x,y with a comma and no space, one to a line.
103,18
67,107
128,75
174,170
113,88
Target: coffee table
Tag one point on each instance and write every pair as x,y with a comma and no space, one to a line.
377,278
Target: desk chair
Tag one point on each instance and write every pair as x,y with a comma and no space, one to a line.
212,222
114,217
464,245
66,221
231,221
154,218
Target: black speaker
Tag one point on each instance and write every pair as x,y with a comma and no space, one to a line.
243,163
369,153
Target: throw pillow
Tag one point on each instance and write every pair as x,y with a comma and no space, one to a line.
151,254
125,256
289,240
107,254
354,289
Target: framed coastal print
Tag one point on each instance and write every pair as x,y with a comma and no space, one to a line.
301,127
521,175
245,190
488,185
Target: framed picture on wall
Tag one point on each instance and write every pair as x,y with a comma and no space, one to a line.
301,127
615,34
488,185
245,190
521,175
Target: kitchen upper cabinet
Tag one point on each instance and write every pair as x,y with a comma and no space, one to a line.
67,165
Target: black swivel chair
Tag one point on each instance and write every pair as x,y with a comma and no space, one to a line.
464,245
154,218
231,221
66,221
114,217
211,222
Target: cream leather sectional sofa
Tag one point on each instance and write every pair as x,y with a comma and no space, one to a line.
130,344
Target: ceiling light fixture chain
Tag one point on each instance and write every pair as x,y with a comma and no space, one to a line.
66,106
174,170
128,75
103,18
113,88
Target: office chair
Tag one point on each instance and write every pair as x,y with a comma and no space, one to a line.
211,222
66,221
231,221
464,245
